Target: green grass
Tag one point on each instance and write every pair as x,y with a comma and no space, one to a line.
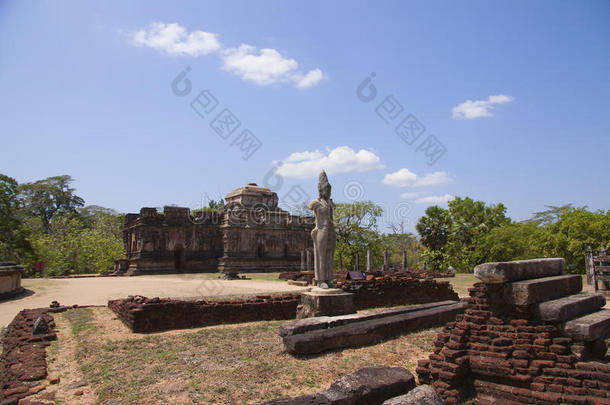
80,319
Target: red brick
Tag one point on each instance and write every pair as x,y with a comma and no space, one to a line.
564,365
519,322
547,356
590,383
537,387
559,349
543,342
520,362
542,363
521,354
576,391
562,341
502,341
555,388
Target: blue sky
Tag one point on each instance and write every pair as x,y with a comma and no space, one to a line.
516,93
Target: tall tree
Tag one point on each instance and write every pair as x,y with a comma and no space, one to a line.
48,198
13,240
356,228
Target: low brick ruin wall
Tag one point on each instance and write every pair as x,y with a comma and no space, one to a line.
499,351
143,315
23,356
397,289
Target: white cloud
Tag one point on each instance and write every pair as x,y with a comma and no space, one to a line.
404,178
267,66
435,199
480,108
312,78
409,196
263,67
175,40
342,159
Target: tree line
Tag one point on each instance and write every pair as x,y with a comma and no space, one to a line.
46,221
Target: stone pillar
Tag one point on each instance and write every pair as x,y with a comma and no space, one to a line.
386,266
302,260
369,261
309,268
589,264
404,260
356,262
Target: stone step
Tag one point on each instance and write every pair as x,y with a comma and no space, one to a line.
370,331
506,272
589,327
570,307
537,290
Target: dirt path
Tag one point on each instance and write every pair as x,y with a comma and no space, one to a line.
98,290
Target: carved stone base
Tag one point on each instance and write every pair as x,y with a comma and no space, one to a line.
325,302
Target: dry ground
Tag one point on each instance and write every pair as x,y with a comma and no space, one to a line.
98,290
227,364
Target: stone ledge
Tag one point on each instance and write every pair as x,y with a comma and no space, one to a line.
589,327
369,331
570,307
506,272
326,322
522,293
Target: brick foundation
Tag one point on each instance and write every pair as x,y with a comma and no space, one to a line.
143,315
24,356
501,352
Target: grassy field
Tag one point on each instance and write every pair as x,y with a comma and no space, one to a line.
229,364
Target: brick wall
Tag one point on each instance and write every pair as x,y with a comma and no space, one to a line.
500,352
145,315
400,289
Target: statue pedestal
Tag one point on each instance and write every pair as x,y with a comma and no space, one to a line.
325,302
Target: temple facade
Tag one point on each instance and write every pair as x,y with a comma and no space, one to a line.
249,234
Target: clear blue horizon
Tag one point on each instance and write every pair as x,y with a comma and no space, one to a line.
517,94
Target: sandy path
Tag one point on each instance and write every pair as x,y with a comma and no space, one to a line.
98,290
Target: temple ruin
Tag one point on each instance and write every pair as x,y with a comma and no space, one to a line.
250,233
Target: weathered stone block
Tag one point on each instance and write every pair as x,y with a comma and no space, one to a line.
370,331
325,322
573,306
367,386
325,303
522,293
589,327
422,395
505,272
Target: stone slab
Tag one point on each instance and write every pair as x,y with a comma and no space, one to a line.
325,322
528,292
589,327
570,307
422,395
370,331
505,272
325,303
366,386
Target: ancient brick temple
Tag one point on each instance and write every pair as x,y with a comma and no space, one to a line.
249,234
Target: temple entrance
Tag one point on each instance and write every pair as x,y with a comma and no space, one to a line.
179,259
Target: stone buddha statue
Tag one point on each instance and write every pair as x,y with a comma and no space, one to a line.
323,234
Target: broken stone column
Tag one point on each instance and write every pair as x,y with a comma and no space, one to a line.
302,260
404,260
356,262
386,266
309,260
369,261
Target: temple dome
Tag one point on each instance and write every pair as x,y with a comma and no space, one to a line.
252,196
